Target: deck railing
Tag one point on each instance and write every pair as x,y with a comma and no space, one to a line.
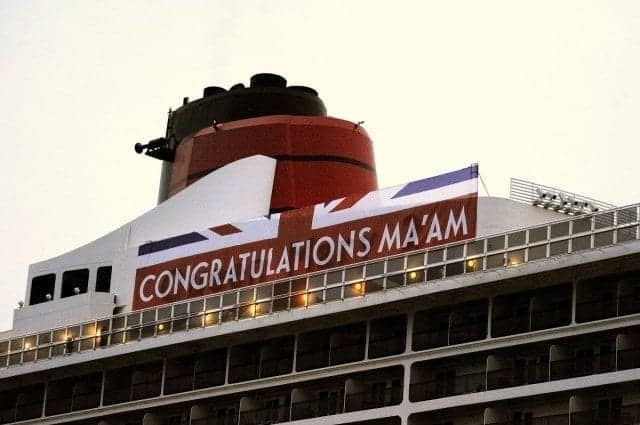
505,250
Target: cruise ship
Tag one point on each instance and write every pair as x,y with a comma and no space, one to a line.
275,282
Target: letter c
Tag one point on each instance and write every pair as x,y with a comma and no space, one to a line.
141,292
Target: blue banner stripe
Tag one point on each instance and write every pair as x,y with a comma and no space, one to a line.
168,243
438,181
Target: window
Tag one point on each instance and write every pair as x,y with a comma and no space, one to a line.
42,288
103,279
75,282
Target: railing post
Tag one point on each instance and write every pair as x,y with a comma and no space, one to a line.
574,300
164,375
104,380
228,367
367,338
44,399
489,316
409,332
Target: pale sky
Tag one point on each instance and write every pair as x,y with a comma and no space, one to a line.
542,90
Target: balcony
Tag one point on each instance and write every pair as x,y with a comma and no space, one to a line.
269,415
629,358
629,304
178,383
316,408
468,331
224,418
540,420
208,378
455,324
387,336
542,308
582,366
7,415
87,400
347,353
240,371
244,362
30,410
596,309
373,400
515,376
386,347
276,366
312,359
446,387
627,415
553,316
431,338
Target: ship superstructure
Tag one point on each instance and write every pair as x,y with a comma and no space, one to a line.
276,283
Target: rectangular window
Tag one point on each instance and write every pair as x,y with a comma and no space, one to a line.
103,279
75,282
42,288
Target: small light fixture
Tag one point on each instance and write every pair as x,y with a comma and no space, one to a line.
27,345
161,327
413,276
210,318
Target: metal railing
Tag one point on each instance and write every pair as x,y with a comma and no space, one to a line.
531,193
505,250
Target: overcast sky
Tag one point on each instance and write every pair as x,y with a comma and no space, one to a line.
542,90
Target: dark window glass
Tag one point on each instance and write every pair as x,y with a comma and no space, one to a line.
75,282
41,286
103,279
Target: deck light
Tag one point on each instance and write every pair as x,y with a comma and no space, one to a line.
413,275
471,265
514,261
210,318
161,327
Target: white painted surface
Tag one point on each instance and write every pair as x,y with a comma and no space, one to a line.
497,215
236,192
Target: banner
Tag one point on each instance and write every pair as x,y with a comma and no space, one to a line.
420,214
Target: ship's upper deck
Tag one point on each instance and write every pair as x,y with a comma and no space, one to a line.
512,237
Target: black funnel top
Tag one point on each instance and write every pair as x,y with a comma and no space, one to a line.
268,94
